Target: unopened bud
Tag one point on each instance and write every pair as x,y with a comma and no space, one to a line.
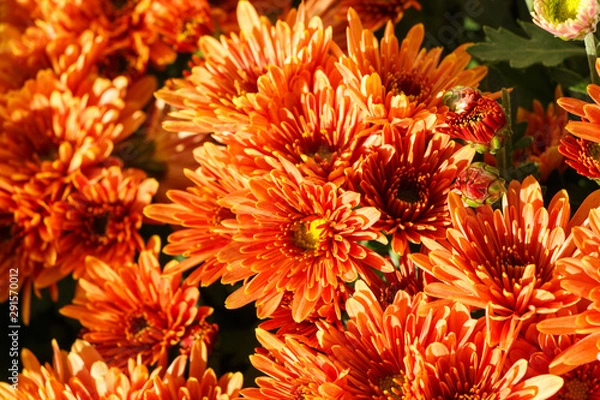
459,99
480,184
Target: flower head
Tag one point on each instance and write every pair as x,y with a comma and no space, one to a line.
480,184
547,129
299,236
294,371
581,276
374,13
502,260
214,97
392,81
407,179
82,373
314,124
414,349
589,126
581,155
100,217
134,310
374,346
200,215
566,19
581,382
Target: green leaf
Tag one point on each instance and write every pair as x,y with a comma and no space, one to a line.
570,80
521,52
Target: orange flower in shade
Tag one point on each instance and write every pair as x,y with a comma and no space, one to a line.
134,310
224,14
294,371
502,260
57,124
214,96
83,374
295,235
409,349
199,214
582,382
28,241
179,23
374,14
391,82
589,126
408,179
138,33
319,130
281,322
581,155
101,217
162,154
547,128
580,276
405,277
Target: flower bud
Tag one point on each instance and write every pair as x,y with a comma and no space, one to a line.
566,19
480,184
459,99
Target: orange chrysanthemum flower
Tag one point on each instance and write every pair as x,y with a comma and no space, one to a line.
410,349
581,155
134,310
294,371
79,374
101,217
582,382
295,235
464,366
281,322
547,128
391,82
589,126
502,260
199,213
406,277
224,14
374,13
408,179
581,276
214,96
320,130
374,346
83,374
56,125
180,24
200,383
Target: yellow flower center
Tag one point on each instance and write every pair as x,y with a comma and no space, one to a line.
391,386
576,390
308,235
562,10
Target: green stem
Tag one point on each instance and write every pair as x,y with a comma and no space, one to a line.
504,154
590,49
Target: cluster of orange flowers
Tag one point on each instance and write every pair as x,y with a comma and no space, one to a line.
334,178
